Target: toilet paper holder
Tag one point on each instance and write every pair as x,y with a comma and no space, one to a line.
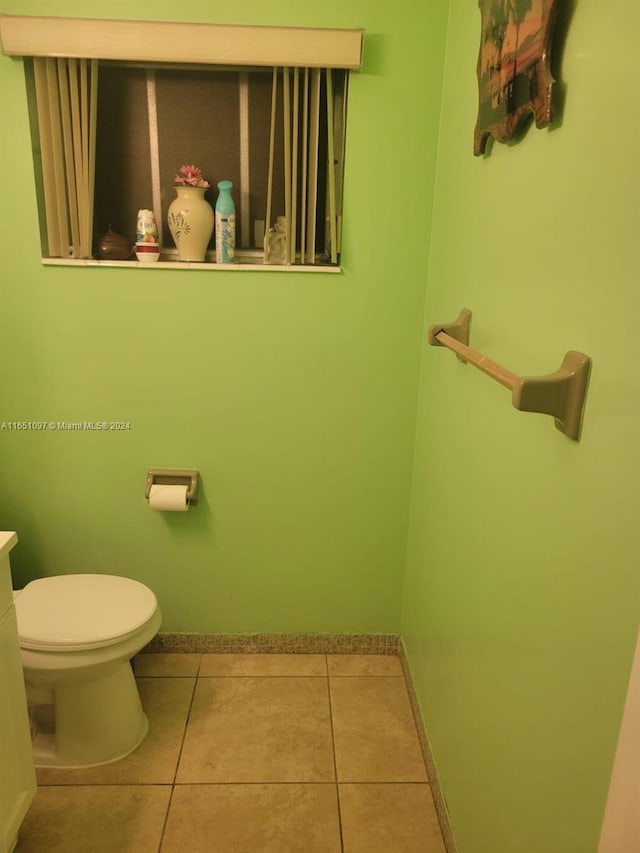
173,477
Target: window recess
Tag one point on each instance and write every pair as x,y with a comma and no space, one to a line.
110,131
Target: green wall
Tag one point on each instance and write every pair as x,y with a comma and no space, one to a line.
521,596
293,394
296,395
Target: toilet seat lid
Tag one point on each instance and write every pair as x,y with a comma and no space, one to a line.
75,611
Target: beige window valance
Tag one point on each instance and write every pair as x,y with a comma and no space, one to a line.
163,41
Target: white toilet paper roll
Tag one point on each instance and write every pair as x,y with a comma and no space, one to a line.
168,498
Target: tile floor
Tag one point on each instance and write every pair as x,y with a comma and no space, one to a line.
252,754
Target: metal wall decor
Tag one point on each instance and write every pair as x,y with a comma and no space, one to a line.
514,78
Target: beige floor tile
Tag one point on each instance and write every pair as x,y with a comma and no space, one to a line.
253,819
364,665
96,819
258,730
166,664
374,732
166,702
384,818
250,664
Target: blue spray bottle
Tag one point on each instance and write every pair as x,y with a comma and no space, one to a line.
225,224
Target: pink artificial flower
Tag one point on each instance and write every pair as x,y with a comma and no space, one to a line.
191,176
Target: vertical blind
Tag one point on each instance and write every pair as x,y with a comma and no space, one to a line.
313,147
66,98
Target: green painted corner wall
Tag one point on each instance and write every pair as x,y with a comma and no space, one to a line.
294,395
522,584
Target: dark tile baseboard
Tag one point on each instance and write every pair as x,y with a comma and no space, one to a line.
427,754
337,644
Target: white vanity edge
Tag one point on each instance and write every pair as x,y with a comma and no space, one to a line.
8,538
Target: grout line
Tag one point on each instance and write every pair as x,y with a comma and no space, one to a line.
215,782
175,772
104,785
261,675
333,750
186,725
276,675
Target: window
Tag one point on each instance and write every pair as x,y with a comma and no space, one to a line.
111,131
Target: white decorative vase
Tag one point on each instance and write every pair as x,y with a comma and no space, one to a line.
190,219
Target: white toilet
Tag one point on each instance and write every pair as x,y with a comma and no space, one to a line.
78,634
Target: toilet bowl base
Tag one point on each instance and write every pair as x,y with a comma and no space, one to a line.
45,755
90,723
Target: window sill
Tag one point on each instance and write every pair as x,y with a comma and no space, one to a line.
190,265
